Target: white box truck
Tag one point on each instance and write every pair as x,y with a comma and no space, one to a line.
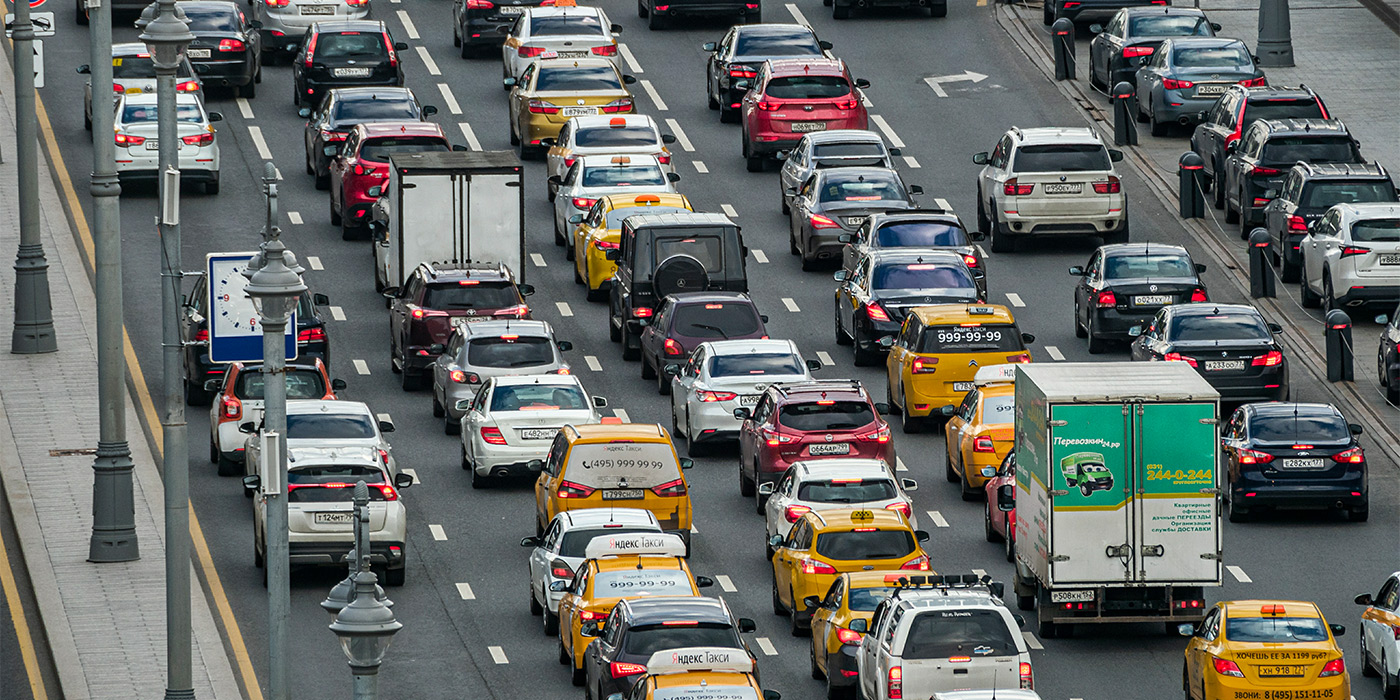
449,207
1117,493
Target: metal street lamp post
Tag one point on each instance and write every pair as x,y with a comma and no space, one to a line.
365,627
33,332
342,593
166,33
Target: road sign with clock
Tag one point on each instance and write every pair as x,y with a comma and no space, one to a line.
235,329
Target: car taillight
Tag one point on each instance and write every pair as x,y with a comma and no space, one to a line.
493,436
1198,294
1112,186
1012,188
587,615
608,50
569,162
278,3
390,494
1269,359
819,221
117,88
583,202
641,312
847,104
983,443
1255,457
792,513
1354,455
312,335
880,435
766,106
128,140
356,3
201,335
480,5
1226,667
1027,678
714,396
1261,170
311,48
902,508
919,563
848,636
1254,82
663,158
1178,357
601,244
187,86
1172,84
875,312
332,136
232,408
1137,51
560,569
923,365
1350,250
517,311
894,683
1022,359
673,348
773,437
231,45
813,566
1297,223
670,489
529,51
617,106
361,169
384,456
619,669
742,72
542,107
569,489
970,261
1106,298
460,377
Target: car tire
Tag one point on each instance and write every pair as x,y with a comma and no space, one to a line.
563,654
841,337
213,452
655,21
966,490
1329,300
754,164
795,627
211,187
663,383
1047,13
839,11
1390,685
1288,271
630,353
987,530
759,500
948,472
860,356
1158,128
1306,296
410,381
746,485
550,625
250,90
228,467
814,669
778,608
728,115
323,182
983,223
908,423
693,448
1002,241
1079,330
1010,541
395,577
1236,513
535,608
259,560
648,372
836,692
1096,342
196,395
296,94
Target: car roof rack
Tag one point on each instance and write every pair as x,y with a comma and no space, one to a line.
945,583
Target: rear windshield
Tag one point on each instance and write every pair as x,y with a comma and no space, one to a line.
350,45
849,149
998,409
920,234
1302,428
921,276
575,541
808,87
846,491
641,464
1310,149
141,66
865,599
1275,629
565,25
616,216
1169,25
714,692
1218,327
797,43
379,150
301,384
645,640
332,483
751,365
146,113
364,110
208,19
624,137
641,582
1000,337
1069,157
334,426
715,321
1276,108
1154,265
1376,231
486,295
1325,194
826,415
510,352
623,176
866,544
1201,57
849,188
528,397
941,634
578,79
706,249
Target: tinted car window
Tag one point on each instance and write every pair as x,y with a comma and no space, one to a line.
578,79
1202,57
140,66
1156,265
1267,108
826,415
986,338
329,426
796,43
331,483
510,352
537,398
1072,157
1169,25
1325,194
486,295
1291,149
1217,327
808,87
921,276
871,544
1376,231
836,150
1275,629
301,384
381,109
754,365
715,321
350,45
208,19
1301,428
846,491
940,634
575,541
623,176
616,216
624,137
136,114
865,599
706,249
917,234
645,640
860,189
380,149
565,25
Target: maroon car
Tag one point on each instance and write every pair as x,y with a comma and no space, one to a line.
684,321
1000,515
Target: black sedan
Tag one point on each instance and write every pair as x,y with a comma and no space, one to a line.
1125,284
1133,35
916,228
1388,357
836,148
1231,345
227,50
832,203
871,303
734,61
342,110
1293,455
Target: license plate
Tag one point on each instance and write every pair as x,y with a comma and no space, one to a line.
460,320
1304,463
334,518
579,111
152,145
1210,89
1071,596
1280,671
855,220
832,448
573,54
1064,187
621,494
1390,259
350,72
1152,300
962,386
510,10
197,53
749,400
804,127
317,9
538,433
1223,365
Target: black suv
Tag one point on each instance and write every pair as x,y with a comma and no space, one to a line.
1239,107
1265,152
477,24
1308,192
660,14
345,53
734,61
663,254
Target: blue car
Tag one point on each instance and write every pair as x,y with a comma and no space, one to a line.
1187,75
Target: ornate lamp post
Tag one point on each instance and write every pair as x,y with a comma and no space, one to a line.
365,627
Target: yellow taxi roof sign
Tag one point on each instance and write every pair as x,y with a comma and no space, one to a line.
566,3
688,659
995,374
622,160
862,516
664,544
647,199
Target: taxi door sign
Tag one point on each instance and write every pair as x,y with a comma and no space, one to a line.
664,544
862,516
688,659
235,328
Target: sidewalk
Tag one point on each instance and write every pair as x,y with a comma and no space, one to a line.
105,622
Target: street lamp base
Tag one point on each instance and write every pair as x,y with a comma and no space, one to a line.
33,314
171,694
113,522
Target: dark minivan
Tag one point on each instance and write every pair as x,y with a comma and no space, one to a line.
345,53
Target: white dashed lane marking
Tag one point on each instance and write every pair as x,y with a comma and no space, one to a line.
337,313
729,210
465,590
937,518
1031,641
428,60
790,304
295,217
725,584
470,136
884,126
538,260
498,655
593,363
942,204
700,166
621,414
1015,299
825,358
797,15
1054,353
654,95
1239,574
564,309
899,465
259,143
361,367
911,162
408,27
438,533
684,141
694,530
758,255
412,473
979,572
244,108
631,60
447,97
766,646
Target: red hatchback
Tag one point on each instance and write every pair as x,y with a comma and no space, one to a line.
999,518
808,420
792,97
363,162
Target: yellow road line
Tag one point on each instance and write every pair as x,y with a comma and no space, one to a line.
26,642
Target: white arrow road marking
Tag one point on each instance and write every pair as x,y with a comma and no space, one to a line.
630,59
728,210
259,143
899,465
790,304
621,414
684,141
361,367
1031,641
700,166
244,108
758,255
825,358
498,655
408,27
538,260
337,313
1054,353
295,217
465,590
470,136
937,518
725,584
942,204
447,97
438,533
428,60
979,572
766,646
655,96
564,309
593,363
1239,574
889,133
911,162
1015,299
936,82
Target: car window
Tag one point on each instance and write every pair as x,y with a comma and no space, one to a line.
334,483
1061,157
921,276
822,416
1310,149
1283,630
715,320
509,351
1324,193
211,19
349,45
999,337
792,43
866,544
1281,108
1212,56
969,405
616,216
578,78
380,149
865,599
940,634
619,137
623,176
1303,427
1376,231
641,582
846,490
365,110
807,87
1217,327
603,465
482,295
920,234
1169,25
860,188
333,426
998,409
140,66
146,113
301,384
1152,265
645,640
754,364
706,249
848,149
565,25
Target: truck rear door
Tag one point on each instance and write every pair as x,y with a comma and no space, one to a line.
1177,523
491,205
1091,518
425,222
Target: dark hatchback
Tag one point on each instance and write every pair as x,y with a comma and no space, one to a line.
342,109
1134,35
684,321
1308,192
477,24
345,53
1084,10
1230,345
227,48
832,203
916,228
1125,284
734,61
1294,455
872,302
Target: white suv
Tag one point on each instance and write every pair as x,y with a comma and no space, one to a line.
942,633
1047,181
823,484
1351,257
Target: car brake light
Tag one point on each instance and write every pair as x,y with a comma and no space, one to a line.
232,408
601,244
560,569
1012,188
542,107
1137,51
1296,223
608,50
894,683
1354,455
1261,170
389,46
1027,678
919,563
1350,250
663,158
773,437
569,489
1226,667
1023,358
278,3
480,5
328,135
970,260
875,312
1172,84
1255,457
587,615
742,72
848,636
881,435
902,508
231,45
1198,294
1254,82
623,670
201,335
312,335
819,221
384,456
1268,359
641,312
1112,186
673,348
983,443
847,104
128,140
813,566
583,202
670,489
1178,357
714,396
923,365
617,106
311,48
461,377
493,436
117,88
1106,298
187,86
793,513
529,51
766,106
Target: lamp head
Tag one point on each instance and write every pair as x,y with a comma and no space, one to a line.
274,281
166,33
365,627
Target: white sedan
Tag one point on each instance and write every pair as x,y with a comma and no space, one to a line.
1380,644
591,178
723,375
556,555
138,149
605,134
326,423
822,484
559,32
512,421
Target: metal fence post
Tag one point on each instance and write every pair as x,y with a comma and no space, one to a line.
1124,117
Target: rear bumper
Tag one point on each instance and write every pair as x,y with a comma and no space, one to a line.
772,144
1383,293
1051,224
225,72
1348,491
1112,323
1269,385
389,554
841,670
1175,106
709,9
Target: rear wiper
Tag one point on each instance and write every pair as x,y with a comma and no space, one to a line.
708,327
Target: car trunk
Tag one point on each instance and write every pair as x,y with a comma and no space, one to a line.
574,46
1265,667
1227,359
900,302
581,104
850,215
330,516
1064,194
828,429
1292,463
1146,296
924,677
150,130
536,428
1211,82
1380,241
799,117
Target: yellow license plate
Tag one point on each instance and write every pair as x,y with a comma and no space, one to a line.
1281,671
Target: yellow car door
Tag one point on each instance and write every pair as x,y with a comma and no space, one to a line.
822,627
789,558
1198,653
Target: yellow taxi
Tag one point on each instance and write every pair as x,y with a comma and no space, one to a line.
824,544
981,431
551,90
623,465
934,358
1264,649
616,567
708,673
841,619
601,230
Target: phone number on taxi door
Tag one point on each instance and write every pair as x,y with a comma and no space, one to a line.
1283,694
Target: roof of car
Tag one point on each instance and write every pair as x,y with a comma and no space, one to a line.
300,406
657,199
516,327
1255,608
589,517
1266,92
688,298
129,49
370,92
550,10
931,256
1326,127
745,347
537,380
773,28
1362,210
927,598
1141,249
686,219
1161,10
605,431
1348,171
309,456
839,467
663,608
803,391
847,173
442,271
604,160
844,136
347,25
1057,134
936,314
596,121
378,129
1289,408
1202,41
789,66
1201,308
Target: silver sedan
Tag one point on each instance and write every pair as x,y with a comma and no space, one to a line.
723,375
513,420
485,349
591,178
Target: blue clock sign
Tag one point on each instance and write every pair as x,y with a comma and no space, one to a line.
235,329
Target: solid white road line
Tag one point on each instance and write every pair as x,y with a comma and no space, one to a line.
438,533
564,309
825,358
889,133
684,141
428,60
465,590
408,27
412,473
361,367
630,59
244,108
337,313
470,136
725,584
654,95
1054,353
622,414
728,210
937,518
1015,299
1031,641
1239,574
791,305
766,646
758,255
593,363
797,15
899,465
498,655
942,204
700,166
911,162
295,217
538,260
259,143
447,97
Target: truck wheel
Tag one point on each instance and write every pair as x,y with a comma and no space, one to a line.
1047,630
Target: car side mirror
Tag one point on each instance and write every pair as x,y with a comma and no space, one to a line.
403,481
846,238
672,369
247,427
508,82
576,219
535,465
746,624
560,587
1115,155
1200,268
948,410
212,385
629,80
252,483
216,117
376,191
1027,338
386,426
687,462
437,348
840,275
612,254
1202,116
304,113
1135,331
1355,428
400,46
525,289
616,29
977,235
886,342
530,542
616,696
1186,629
503,30
916,189
814,365
882,408
1230,147
600,402
704,582
812,602
668,138
1275,328
741,413
765,489
1077,271
673,178
549,143
921,535
391,293
709,46
254,24
1006,498
777,541
320,300
565,346
772,695
429,110
1096,29
338,385
643,322
1364,599
783,155
84,69
1337,630
1215,26
790,191
859,625
980,158
862,83
909,485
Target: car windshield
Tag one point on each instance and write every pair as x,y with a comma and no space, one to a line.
350,44
1282,630
578,79
140,66
565,25
860,188
1120,267
754,364
641,582
210,19
329,426
332,483
1234,55
706,249
920,234
808,87
509,351
921,276
866,544
379,150
846,491
798,42
575,541
1310,149
484,295
848,149
865,599
941,634
1376,231
1324,194
1217,327
1169,25
822,416
623,176
301,384
1065,157
616,216
1000,337
617,137
998,409
365,110
1306,426
1281,108
146,114
644,640
716,320
536,397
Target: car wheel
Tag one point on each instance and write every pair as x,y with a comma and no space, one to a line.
754,164
1096,343
795,627
1158,128
663,383
1359,514
258,560
1010,540
296,94
983,224
814,669
655,21
1390,686
1085,490
409,381
710,100
1079,330
861,356
550,625
395,577
1288,271
968,493
1119,236
514,140
1306,296
840,11
250,90
535,608
323,182
728,115
1002,242
746,485
693,448
987,530
908,423
948,472
841,337
630,353
563,654
759,500
213,452
211,187
1236,513
1329,301
778,608
228,467
647,371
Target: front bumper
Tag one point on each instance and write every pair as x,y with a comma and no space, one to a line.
388,553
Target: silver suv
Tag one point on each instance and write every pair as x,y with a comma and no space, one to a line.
1048,181
1351,257
284,22
478,351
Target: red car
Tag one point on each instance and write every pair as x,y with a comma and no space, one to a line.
795,96
804,421
363,162
1000,522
